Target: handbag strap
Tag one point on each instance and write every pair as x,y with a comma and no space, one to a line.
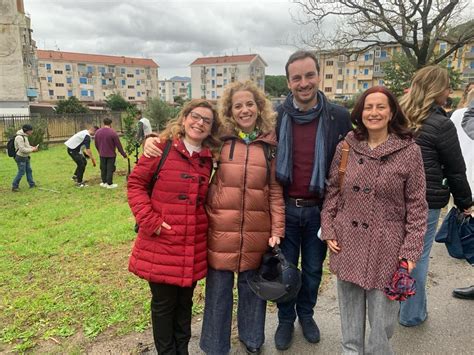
343,163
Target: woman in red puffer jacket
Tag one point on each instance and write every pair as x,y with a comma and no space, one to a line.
170,251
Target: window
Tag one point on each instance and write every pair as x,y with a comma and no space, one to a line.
376,68
383,54
130,75
48,66
472,64
124,82
82,80
366,71
381,82
225,69
83,92
102,70
225,81
59,85
69,93
43,78
69,80
340,84
68,67
213,83
213,71
327,89
213,94
122,70
137,71
138,82
367,57
60,97
328,76
51,92
58,72
355,72
81,68
104,82
111,69
131,87
50,79
131,97
339,72
365,85
347,71
139,94
329,63
90,69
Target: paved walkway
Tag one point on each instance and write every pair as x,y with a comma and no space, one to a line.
448,330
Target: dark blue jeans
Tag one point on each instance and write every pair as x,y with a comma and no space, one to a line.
302,225
217,321
23,164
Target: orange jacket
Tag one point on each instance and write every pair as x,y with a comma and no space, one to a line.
245,205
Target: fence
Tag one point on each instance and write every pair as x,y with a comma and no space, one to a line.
58,127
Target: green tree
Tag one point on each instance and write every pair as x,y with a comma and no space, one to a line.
116,102
355,26
178,100
159,112
130,133
276,85
399,72
71,105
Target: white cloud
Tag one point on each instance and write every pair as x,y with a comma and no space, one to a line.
173,33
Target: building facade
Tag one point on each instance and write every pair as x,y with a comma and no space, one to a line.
210,75
176,86
18,75
92,77
342,76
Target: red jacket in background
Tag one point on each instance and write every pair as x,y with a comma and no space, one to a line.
177,256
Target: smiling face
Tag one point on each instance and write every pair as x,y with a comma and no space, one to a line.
197,125
303,81
244,110
377,113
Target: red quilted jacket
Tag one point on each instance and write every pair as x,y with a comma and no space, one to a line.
177,256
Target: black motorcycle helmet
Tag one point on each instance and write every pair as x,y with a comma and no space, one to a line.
277,280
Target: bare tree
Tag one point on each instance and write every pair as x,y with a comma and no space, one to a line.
416,25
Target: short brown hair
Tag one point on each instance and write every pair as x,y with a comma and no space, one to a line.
298,55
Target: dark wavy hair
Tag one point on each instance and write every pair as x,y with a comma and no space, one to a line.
397,125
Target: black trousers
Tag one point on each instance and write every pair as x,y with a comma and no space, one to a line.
107,168
81,163
171,317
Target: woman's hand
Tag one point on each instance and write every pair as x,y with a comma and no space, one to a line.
150,150
468,211
163,225
274,241
411,266
333,246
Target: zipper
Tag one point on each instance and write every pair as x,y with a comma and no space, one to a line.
243,205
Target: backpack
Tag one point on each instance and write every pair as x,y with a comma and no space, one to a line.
166,150
11,147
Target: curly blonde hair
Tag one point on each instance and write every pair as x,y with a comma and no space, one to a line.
427,85
266,115
175,127
464,100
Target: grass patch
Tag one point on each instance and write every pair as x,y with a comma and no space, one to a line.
64,255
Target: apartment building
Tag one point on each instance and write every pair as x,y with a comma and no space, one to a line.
343,76
18,75
210,75
175,86
92,77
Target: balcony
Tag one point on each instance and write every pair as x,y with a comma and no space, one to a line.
379,74
469,55
381,60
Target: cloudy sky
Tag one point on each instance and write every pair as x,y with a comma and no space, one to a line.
171,32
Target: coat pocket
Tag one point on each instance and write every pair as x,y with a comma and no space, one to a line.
394,214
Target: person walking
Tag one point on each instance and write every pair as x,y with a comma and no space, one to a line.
23,150
374,219
78,148
445,169
106,142
308,128
170,250
246,216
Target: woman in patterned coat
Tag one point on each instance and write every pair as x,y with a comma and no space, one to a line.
376,218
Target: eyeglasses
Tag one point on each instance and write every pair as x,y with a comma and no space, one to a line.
196,117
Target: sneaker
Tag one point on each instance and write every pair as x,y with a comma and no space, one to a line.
113,186
15,189
74,178
103,184
310,330
284,335
33,186
81,185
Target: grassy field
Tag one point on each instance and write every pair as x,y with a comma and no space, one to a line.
64,255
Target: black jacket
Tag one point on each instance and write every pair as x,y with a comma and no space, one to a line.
444,165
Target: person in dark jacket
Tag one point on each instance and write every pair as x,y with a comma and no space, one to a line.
444,169
374,219
170,251
309,128
106,142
